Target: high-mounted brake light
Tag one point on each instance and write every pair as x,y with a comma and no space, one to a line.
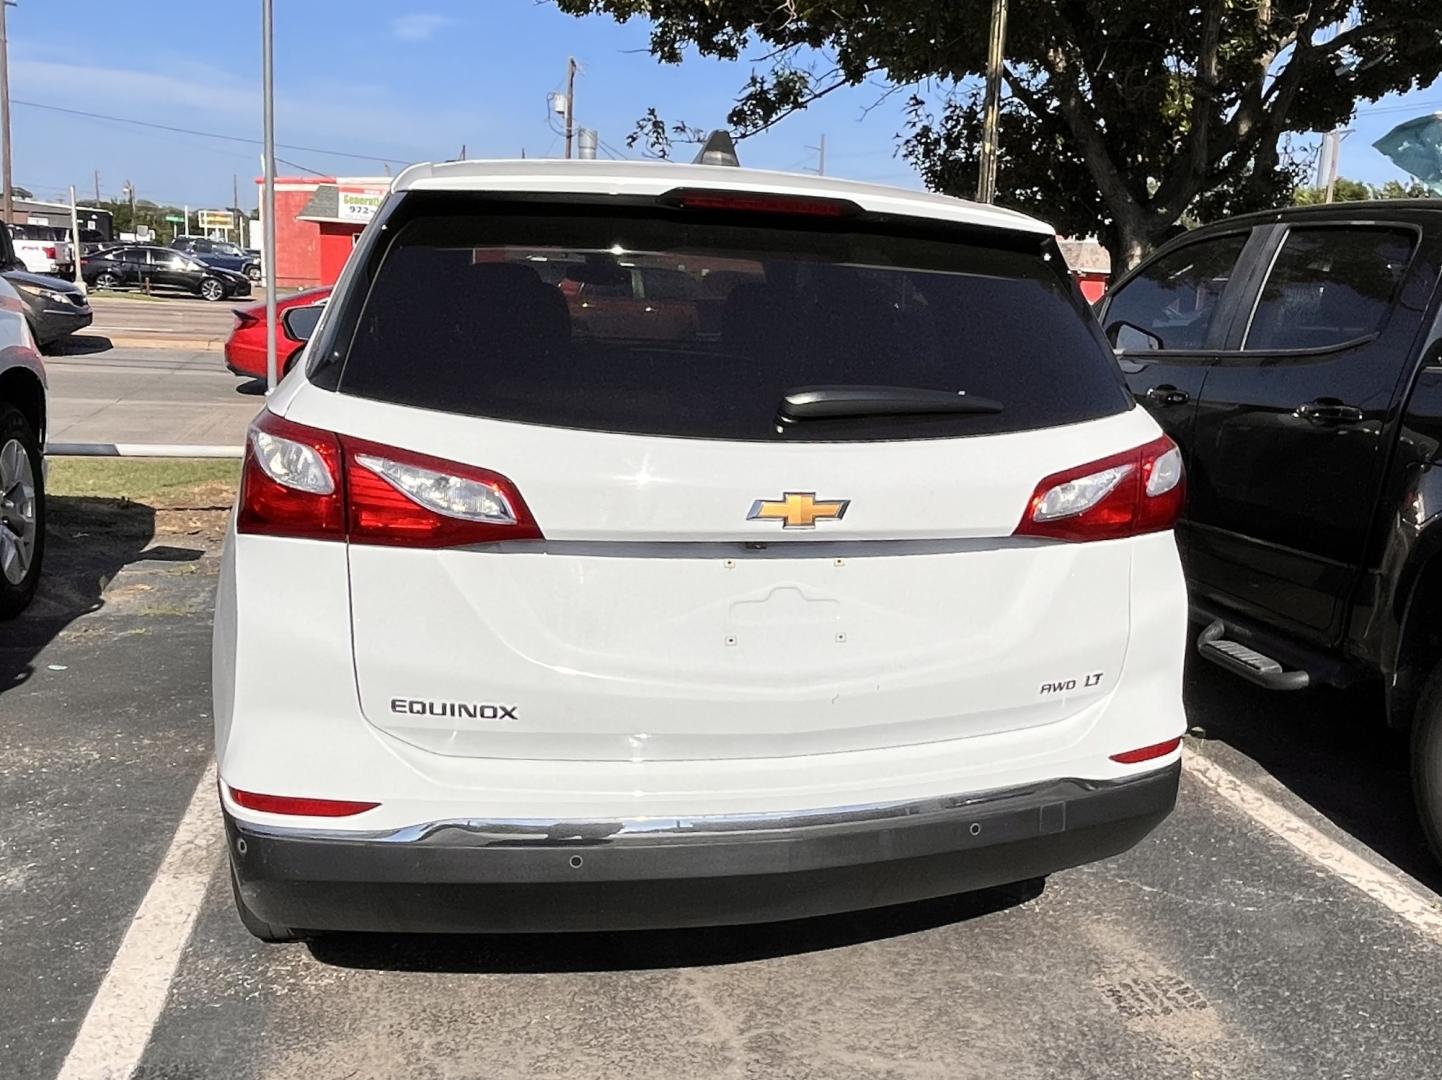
1139,491
302,807
1147,753
299,481
747,203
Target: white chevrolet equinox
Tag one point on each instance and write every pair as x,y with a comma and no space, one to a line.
654,545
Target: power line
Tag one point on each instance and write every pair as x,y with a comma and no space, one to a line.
206,134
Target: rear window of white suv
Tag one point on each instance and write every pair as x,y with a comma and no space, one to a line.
648,319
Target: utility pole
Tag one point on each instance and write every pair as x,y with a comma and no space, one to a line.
75,242
271,277
570,105
235,209
5,111
820,155
97,187
995,58
129,190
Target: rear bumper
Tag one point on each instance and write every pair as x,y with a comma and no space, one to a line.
475,876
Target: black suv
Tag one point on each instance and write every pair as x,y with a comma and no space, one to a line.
1296,357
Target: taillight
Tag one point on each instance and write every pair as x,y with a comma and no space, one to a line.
50,252
244,318
303,482
306,807
400,498
1140,491
291,481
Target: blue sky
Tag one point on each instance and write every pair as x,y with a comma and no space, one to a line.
398,82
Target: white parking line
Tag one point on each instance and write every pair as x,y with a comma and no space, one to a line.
117,1027
1391,889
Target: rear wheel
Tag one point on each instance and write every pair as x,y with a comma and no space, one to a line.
212,290
22,512
257,926
107,280
253,273
1427,761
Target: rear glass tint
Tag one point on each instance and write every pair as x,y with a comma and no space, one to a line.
653,322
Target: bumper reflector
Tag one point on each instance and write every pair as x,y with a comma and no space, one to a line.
301,807
1147,753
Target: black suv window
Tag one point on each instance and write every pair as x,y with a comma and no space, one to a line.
1329,286
504,315
1174,299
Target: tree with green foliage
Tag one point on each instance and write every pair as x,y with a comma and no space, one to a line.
1355,191
1121,115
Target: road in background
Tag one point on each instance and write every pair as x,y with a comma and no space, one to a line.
149,396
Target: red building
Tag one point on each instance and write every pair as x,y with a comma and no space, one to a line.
317,221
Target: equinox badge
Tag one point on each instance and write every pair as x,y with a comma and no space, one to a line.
798,510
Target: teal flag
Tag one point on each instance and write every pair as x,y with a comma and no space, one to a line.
1416,147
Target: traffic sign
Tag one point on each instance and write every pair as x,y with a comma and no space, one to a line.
174,217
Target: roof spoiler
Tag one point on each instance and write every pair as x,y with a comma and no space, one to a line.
719,149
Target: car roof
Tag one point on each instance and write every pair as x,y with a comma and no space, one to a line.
550,175
1354,210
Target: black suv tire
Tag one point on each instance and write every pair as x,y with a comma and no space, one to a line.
1427,761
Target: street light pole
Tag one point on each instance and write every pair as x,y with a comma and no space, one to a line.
570,101
9,196
268,78
995,58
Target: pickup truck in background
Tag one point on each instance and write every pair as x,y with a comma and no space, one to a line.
43,249
1296,358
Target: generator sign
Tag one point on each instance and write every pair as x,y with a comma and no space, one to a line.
359,203
205,220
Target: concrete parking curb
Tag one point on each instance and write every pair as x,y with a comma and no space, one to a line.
146,450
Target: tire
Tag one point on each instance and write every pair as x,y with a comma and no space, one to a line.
22,512
107,280
211,289
253,273
1427,761
258,927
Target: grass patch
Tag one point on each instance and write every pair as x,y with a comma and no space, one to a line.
164,483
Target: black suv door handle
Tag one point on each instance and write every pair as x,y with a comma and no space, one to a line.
1167,395
1329,411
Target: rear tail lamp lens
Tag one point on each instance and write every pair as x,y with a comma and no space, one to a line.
1139,491
303,807
399,498
299,481
1147,753
289,483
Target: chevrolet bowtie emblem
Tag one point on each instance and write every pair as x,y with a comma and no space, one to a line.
798,510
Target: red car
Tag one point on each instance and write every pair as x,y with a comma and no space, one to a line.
245,348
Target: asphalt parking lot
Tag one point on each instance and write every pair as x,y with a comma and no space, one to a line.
1283,922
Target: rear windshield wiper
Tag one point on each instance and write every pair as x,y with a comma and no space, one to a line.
838,402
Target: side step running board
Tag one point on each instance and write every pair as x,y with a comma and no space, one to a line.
1248,663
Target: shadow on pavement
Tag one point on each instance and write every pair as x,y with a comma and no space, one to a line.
87,542
1331,748
251,388
641,950
78,345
